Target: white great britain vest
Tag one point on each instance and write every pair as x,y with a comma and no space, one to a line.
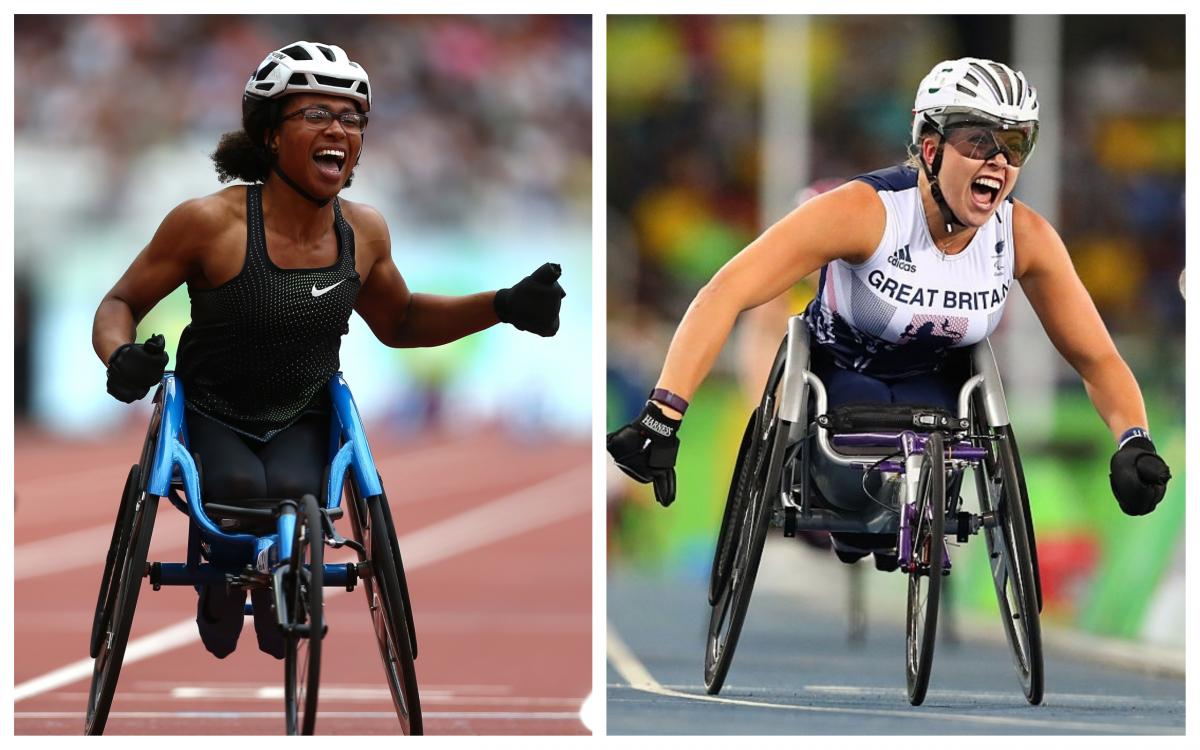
898,313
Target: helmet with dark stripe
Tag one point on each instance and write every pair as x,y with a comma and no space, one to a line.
309,67
972,88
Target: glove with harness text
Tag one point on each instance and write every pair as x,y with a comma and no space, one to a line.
533,303
1138,476
646,448
133,369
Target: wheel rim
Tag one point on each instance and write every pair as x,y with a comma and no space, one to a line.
1014,582
107,668
304,596
925,573
391,637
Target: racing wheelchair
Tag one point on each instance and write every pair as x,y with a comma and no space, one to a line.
273,544
924,453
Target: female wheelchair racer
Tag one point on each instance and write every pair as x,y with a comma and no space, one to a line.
274,268
916,261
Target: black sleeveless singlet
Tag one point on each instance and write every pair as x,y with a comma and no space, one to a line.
261,347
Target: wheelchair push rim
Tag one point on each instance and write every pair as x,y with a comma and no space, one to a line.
384,589
303,593
1010,558
115,633
926,557
122,529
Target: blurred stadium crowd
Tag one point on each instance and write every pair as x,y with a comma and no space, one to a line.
478,154
471,116
688,104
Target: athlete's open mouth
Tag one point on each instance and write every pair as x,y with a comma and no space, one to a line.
330,161
985,190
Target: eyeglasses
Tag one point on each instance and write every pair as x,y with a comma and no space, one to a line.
982,142
320,118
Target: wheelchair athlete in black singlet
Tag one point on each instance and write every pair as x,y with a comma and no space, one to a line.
877,339
274,268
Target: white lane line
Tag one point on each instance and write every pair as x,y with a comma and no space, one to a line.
87,547
81,549
536,506
639,678
628,666
277,715
345,693
172,637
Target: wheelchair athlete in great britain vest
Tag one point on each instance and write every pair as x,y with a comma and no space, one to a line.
274,268
915,261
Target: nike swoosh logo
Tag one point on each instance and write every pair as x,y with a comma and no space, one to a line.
318,292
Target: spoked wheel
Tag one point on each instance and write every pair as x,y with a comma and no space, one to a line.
117,547
926,555
1003,500
385,589
303,595
124,584
744,531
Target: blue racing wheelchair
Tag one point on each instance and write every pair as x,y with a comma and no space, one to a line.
923,453
275,544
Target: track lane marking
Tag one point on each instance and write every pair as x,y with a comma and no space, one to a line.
499,519
626,663
88,547
81,549
277,715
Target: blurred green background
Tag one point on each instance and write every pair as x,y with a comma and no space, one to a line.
715,125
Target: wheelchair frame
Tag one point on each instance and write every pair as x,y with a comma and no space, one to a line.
771,487
257,560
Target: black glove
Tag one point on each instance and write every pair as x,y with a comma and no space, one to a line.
1138,476
133,369
532,304
645,449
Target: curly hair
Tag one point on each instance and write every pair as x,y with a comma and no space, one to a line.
243,154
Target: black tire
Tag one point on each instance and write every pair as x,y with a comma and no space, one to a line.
303,595
1004,502
925,569
731,521
122,528
115,635
384,589
740,543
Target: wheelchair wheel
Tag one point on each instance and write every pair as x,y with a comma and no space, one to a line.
925,569
122,529
731,522
125,585
303,591
744,530
1008,531
385,590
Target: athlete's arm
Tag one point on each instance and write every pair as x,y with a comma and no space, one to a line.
399,317
1071,321
846,223
171,257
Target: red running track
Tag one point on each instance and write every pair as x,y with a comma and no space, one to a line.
497,549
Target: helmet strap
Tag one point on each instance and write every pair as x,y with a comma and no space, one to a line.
935,188
319,202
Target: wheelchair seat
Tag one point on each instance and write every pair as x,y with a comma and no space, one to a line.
875,417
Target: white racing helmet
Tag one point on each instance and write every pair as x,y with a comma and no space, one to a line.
309,67
973,88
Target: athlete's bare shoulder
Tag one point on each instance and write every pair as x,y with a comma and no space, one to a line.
366,220
371,239
199,222
848,221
